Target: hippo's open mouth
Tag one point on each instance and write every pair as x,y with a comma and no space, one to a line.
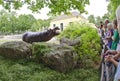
57,32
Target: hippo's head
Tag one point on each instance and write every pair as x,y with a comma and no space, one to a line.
54,31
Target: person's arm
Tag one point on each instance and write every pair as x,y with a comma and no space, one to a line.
112,52
111,59
115,35
116,56
114,62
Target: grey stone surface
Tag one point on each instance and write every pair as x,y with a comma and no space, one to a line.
62,58
15,49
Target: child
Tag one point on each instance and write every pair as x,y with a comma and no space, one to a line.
109,34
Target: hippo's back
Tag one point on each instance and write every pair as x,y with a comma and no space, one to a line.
32,37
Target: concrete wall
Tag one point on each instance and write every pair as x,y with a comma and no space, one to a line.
67,21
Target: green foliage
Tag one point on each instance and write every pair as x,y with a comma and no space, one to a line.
36,26
106,16
17,4
91,19
89,46
55,6
10,23
40,25
25,22
111,14
1,1
98,19
39,49
73,31
112,6
17,70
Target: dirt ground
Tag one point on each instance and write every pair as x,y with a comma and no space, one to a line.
19,38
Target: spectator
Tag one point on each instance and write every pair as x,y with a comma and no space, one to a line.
109,34
115,37
105,26
116,63
117,53
101,31
115,45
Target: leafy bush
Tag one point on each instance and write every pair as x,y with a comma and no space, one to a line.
89,47
39,49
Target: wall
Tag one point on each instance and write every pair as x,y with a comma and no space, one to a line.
67,21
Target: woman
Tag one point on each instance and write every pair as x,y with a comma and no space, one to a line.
115,37
109,34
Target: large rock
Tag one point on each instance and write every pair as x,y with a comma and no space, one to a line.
15,49
61,57
69,41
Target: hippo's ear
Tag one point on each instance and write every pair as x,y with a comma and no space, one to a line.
49,30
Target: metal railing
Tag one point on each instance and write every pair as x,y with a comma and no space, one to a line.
107,71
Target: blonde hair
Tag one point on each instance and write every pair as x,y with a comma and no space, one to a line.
110,26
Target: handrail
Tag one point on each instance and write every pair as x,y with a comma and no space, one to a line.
107,72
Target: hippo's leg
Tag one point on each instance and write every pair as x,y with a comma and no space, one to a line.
28,39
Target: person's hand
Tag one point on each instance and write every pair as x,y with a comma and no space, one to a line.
118,52
105,41
117,56
109,58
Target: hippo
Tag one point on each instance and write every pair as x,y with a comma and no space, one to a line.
31,37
